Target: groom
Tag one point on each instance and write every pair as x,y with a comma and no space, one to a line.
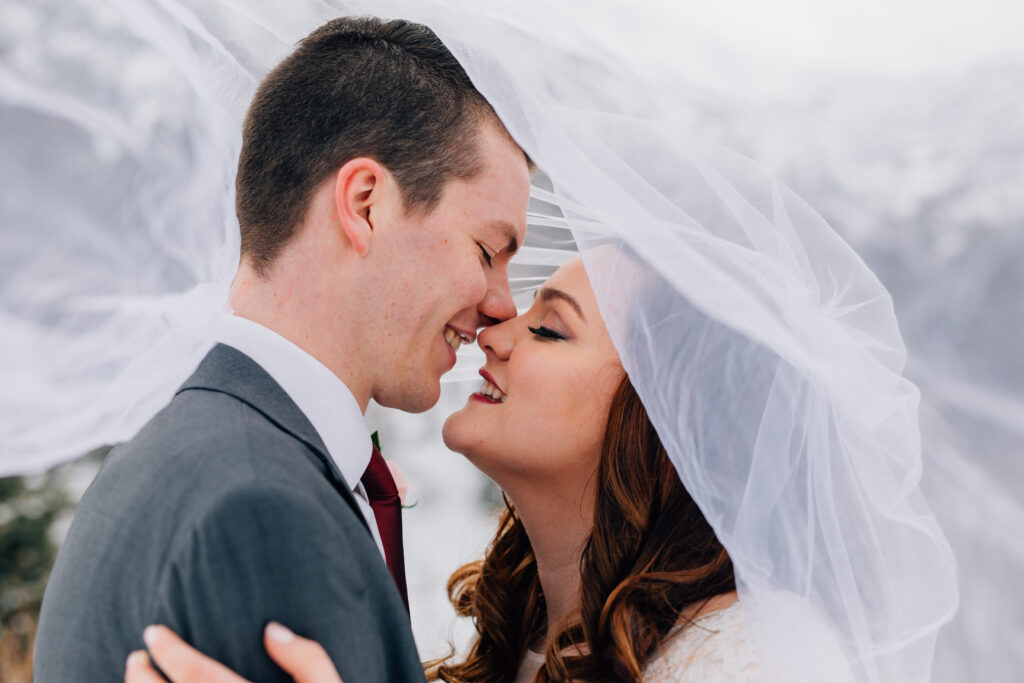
380,200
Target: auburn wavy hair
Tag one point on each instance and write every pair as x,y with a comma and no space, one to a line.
651,554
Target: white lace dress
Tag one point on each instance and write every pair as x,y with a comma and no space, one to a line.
713,649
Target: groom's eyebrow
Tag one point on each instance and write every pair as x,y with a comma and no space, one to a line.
550,293
509,231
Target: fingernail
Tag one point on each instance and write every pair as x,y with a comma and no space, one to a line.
150,635
279,633
136,658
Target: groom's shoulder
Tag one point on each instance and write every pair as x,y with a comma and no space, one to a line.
207,445
208,429
207,488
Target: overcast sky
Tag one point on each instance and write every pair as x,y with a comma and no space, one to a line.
787,39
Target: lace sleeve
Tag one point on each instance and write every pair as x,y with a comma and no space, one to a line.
714,649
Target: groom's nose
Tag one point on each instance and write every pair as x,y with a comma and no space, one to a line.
497,305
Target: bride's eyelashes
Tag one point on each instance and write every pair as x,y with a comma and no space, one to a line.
546,332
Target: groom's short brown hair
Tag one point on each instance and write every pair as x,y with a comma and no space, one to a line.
389,90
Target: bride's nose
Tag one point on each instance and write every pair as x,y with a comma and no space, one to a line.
498,340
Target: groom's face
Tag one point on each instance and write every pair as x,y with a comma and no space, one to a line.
450,273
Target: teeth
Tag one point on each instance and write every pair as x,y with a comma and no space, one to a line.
492,392
453,338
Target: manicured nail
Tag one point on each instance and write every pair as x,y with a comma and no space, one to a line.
150,635
279,633
137,658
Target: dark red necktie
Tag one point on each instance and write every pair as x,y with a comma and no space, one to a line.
387,508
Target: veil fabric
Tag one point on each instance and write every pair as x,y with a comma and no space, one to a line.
766,351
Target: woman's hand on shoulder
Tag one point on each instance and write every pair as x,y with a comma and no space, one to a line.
304,659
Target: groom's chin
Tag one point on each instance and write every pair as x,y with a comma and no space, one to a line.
412,399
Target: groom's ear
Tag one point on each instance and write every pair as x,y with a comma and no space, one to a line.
357,187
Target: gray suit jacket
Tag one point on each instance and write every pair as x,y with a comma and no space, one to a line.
223,513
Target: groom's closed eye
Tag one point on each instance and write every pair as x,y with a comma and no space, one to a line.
508,233
487,256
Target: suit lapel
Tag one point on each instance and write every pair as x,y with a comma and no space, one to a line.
229,371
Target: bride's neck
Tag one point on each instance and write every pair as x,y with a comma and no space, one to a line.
558,527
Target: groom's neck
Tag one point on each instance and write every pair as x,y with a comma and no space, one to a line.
293,308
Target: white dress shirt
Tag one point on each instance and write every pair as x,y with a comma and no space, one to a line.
323,398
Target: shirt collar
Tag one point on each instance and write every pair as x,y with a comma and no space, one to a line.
323,398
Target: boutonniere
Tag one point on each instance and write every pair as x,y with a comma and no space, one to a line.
400,483
396,473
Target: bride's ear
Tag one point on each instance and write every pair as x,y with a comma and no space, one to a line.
358,185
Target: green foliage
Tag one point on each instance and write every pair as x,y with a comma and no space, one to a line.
33,512
28,508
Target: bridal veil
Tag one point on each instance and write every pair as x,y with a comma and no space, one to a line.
766,351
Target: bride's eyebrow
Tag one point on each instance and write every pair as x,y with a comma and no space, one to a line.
550,293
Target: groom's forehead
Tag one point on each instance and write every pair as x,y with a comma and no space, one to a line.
500,193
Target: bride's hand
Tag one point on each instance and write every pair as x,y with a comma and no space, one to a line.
304,659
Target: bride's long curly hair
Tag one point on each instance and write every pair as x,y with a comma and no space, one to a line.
650,555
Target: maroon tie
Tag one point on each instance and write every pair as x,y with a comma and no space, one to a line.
387,508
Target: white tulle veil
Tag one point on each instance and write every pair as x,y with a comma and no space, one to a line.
765,350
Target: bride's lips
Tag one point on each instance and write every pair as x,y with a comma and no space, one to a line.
490,378
483,398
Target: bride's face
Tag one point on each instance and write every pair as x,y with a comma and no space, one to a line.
548,384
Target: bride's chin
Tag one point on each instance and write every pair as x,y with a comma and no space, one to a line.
452,433
461,436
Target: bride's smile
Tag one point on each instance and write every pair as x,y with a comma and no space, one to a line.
490,392
547,386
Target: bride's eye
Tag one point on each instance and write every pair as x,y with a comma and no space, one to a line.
546,333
